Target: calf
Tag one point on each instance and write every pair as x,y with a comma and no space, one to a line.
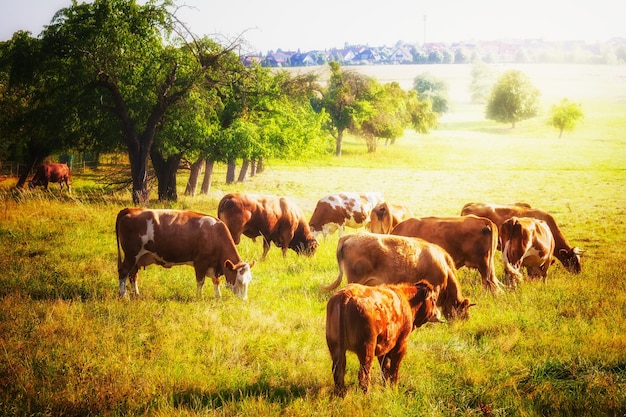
373,259
48,173
375,322
526,242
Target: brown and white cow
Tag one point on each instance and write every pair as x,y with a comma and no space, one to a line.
336,211
569,256
375,322
526,242
374,259
470,240
48,173
385,216
275,219
177,237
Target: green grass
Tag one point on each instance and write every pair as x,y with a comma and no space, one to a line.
69,346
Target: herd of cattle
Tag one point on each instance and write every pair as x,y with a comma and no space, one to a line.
401,273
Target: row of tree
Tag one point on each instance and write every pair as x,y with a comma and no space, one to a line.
117,75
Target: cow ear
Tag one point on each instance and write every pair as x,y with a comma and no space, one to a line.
229,264
251,264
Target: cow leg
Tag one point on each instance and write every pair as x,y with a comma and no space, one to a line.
489,279
385,365
365,359
266,248
216,287
128,272
339,371
392,365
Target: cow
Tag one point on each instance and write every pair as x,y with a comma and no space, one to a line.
375,322
335,211
374,259
470,240
48,173
570,257
275,219
179,237
386,216
526,242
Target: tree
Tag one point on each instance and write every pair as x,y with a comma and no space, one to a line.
565,115
35,115
434,89
513,98
344,99
125,63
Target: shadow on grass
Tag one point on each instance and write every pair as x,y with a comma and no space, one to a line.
197,399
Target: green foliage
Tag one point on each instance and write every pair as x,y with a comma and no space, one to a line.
565,115
513,98
434,89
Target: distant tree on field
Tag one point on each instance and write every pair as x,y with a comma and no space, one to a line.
565,115
436,90
512,99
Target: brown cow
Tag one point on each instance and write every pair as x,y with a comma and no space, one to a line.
176,237
526,242
386,216
470,240
373,259
275,219
375,322
48,173
336,211
568,256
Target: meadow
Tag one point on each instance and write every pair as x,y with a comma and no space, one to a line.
70,346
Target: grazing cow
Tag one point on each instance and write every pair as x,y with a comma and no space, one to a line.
470,240
335,211
526,242
275,219
373,259
568,256
175,237
386,216
48,173
375,322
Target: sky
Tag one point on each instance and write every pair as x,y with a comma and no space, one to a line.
324,24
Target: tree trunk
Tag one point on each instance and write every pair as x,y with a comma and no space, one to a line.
230,171
165,170
139,174
194,175
244,170
33,162
208,176
253,168
259,166
560,133
339,141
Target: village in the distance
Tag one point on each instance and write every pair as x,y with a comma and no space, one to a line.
612,51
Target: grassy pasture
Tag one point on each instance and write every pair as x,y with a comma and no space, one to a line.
69,346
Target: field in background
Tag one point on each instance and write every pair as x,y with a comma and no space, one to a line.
70,347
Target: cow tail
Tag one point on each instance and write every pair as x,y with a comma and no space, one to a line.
117,237
491,262
336,283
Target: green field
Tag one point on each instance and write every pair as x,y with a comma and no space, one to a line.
69,346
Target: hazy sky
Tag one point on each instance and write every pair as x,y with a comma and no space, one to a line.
324,24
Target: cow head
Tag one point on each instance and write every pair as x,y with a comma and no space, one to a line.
426,299
571,259
238,277
306,247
